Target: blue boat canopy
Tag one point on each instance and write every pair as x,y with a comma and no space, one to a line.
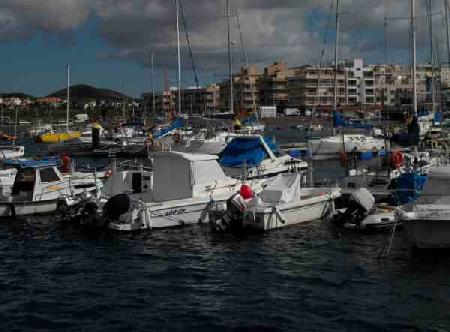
30,163
246,151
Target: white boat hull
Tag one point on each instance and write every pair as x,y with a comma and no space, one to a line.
428,230
14,209
306,210
160,218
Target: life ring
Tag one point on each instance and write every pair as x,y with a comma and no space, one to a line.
397,159
108,173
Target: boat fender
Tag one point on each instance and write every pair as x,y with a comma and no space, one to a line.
397,159
66,163
246,192
278,214
117,205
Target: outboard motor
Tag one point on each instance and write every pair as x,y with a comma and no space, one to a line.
116,206
358,205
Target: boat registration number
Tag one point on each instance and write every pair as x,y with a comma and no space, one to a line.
174,212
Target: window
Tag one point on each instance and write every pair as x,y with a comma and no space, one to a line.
48,175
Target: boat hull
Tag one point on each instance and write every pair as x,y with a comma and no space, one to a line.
148,217
58,137
307,211
428,233
15,209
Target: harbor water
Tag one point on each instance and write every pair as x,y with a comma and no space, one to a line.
55,276
311,278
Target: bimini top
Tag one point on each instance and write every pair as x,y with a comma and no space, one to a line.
247,151
30,163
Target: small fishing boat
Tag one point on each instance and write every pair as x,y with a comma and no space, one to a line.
255,156
282,203
183,185
36,189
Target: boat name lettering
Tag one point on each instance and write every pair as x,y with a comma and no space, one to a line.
174,212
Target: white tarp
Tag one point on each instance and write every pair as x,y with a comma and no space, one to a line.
364,198
284,188
171,177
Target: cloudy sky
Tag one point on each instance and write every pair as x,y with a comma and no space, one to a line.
109,41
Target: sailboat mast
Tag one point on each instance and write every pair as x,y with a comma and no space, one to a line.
447,31
153,85
414,55
336,56
230,57
68,98
430,22
178,55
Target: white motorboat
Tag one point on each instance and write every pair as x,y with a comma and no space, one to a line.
37,187
11,151
427,222
182,187
331,147
282,203
254,156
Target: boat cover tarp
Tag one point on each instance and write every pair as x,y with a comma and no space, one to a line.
408,187
246,151
340,121
363,197
177,124
285,188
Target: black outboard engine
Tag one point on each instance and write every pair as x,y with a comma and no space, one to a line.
116,206
231,220
357,207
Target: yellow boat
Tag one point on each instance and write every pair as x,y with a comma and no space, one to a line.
58,137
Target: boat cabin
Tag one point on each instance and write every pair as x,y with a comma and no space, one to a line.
129,178
38,181
180,175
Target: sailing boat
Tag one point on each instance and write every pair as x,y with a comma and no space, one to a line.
332,147
63,136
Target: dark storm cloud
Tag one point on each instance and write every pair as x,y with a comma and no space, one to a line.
282,29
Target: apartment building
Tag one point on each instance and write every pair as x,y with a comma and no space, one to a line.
245,90
273,85
312,86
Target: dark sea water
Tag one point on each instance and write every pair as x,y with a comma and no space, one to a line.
310,278
54,276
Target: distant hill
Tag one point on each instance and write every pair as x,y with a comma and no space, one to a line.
86,92
20,95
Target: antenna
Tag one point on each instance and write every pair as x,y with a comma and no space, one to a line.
68,97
